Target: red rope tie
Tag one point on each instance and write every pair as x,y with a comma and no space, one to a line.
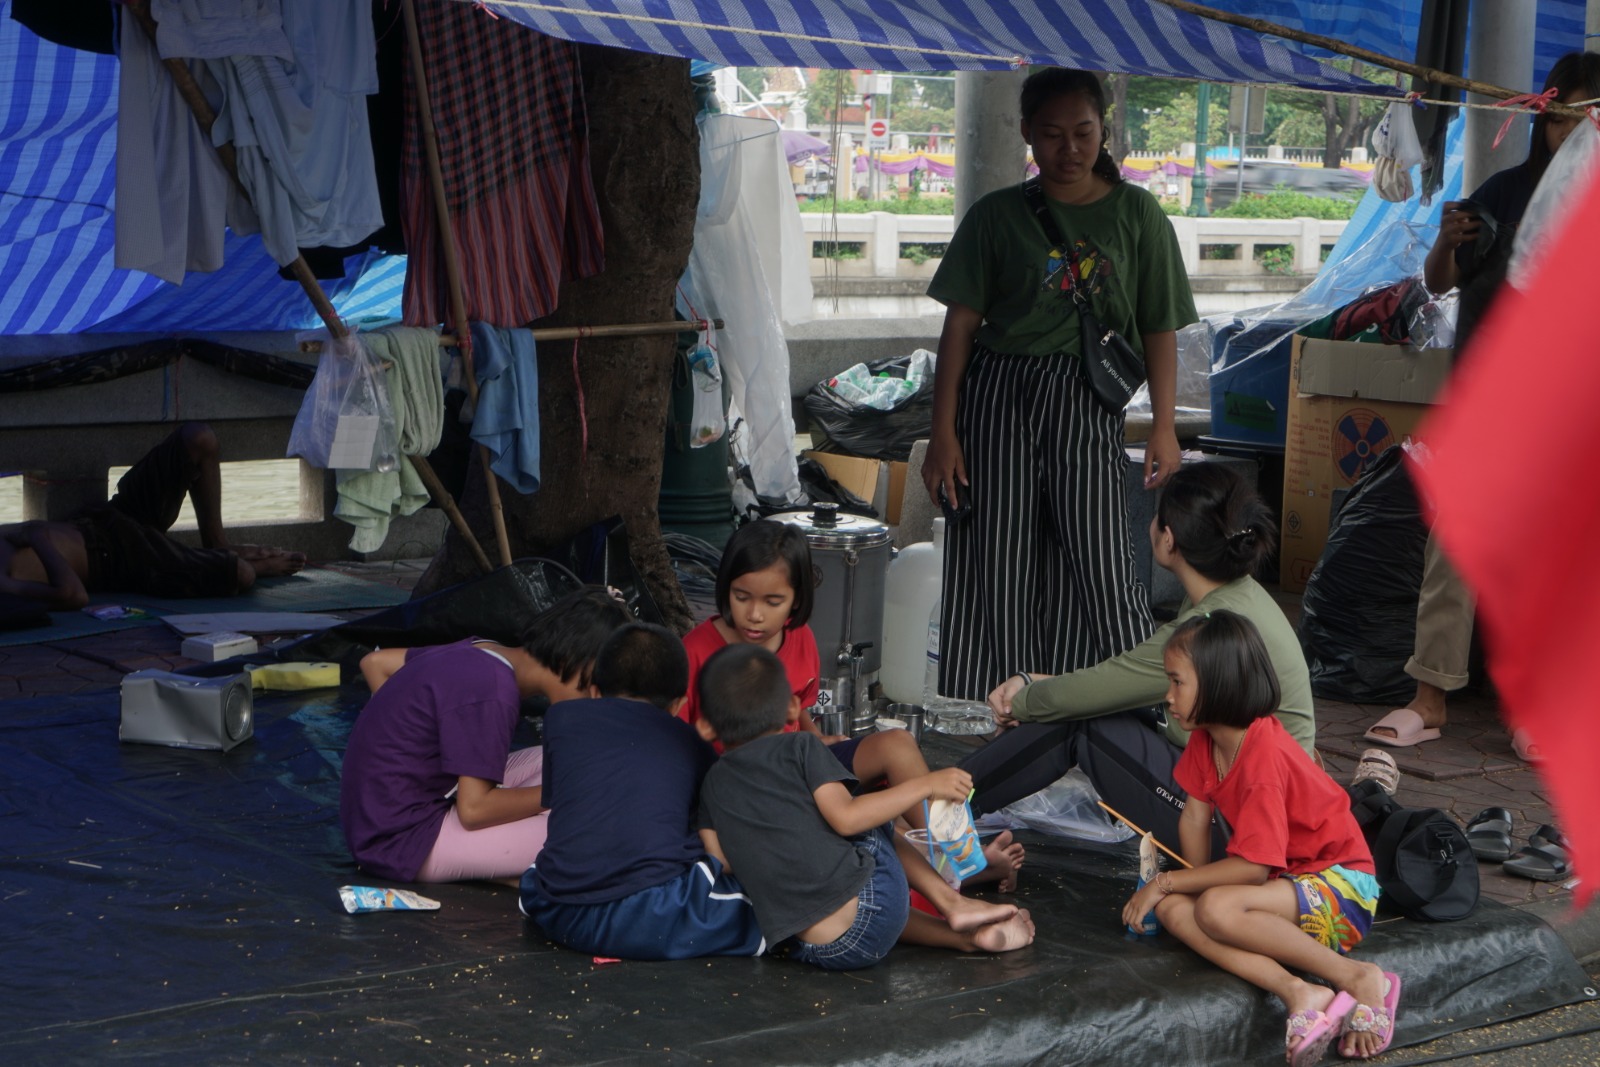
1534,102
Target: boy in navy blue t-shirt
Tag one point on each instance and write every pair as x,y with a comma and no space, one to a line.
623,872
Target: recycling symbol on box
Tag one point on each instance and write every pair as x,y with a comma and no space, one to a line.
1360,437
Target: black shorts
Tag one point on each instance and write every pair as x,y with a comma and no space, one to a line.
129,556
153,489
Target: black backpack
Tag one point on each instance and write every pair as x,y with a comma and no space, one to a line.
1426,868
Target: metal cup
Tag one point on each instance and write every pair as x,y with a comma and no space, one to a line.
830,719
911,715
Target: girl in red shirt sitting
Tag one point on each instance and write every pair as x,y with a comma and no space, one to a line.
1297,887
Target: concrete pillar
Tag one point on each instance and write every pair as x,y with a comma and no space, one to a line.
990,151
1591,41
885,244
1499,52
1308,249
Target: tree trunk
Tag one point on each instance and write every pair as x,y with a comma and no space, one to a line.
1117,142
644,153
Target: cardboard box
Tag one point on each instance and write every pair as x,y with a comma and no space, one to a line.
210,648
879,482
1348,402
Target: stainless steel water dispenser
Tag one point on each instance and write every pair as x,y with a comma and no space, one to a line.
850,555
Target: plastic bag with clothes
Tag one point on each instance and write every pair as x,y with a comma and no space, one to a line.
1358,619
1194,373
346,421
1068,807
878,410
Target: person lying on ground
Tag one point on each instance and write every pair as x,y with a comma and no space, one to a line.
431,790
1297,888
122,545
622,872
825,870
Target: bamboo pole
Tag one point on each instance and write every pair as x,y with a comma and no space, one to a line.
452,263
1130,824
569,333
1377,59
192,95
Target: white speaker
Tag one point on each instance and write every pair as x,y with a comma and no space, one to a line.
162,708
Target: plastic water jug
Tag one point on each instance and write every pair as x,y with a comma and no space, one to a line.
912,589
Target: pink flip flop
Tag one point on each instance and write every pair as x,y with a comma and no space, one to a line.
1376,1021
1407,726
1317,1030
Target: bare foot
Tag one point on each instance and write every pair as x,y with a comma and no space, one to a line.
1003,857
1305,997
269,562
1014,933
1369,989
969,914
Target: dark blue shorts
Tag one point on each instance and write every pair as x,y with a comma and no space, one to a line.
845,752
702,912
881,912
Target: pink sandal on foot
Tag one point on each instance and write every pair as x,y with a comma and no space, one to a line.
1316,1030
1379,1022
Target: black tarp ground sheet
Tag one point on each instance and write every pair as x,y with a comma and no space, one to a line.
181,906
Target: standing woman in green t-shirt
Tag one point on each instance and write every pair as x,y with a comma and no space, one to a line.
1041,573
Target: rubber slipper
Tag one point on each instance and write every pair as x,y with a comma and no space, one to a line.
1525,747
1317,1030
1377,1021
1544,858
1407,726
1378,766
1489,834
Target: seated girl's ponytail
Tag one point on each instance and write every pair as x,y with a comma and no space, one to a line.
1218,521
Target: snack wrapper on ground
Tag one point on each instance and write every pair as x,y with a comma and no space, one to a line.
360,898
952,841
1149,867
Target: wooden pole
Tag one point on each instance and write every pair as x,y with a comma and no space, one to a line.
452,262
1377,59
192,95
569,333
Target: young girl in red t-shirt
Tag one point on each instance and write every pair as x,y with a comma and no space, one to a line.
1297,887
764,595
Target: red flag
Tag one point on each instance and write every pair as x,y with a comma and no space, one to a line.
1513,446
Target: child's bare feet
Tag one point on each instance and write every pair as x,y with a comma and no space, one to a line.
269,562
1003,858
967,914
1014,933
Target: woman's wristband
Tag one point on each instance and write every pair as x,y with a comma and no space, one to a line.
1027,679
1164,882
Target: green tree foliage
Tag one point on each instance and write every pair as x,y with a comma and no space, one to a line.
1173,126
753,79
830,92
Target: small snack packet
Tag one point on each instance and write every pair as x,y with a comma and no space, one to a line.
952,840
1149,867
115,611
360,898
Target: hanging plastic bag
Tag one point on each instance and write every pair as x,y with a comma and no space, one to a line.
1067,807
1572,168
1398,150
346,421
710,419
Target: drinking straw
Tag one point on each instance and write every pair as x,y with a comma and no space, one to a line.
1130,824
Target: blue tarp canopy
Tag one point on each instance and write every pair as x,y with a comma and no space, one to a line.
58,120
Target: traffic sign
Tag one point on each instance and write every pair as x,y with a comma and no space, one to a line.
877,134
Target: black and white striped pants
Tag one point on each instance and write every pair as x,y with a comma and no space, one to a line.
1039,577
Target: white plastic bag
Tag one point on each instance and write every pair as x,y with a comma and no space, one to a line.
346,421
1398,150
1570,171
710,419
1067,807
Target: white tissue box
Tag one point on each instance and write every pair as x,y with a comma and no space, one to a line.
209,648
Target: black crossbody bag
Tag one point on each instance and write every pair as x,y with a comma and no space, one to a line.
1115,371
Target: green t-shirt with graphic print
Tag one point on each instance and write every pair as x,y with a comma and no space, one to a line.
997,261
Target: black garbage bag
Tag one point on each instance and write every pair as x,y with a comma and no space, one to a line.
840,425
1358,619
495,606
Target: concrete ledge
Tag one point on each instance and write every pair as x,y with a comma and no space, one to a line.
824,347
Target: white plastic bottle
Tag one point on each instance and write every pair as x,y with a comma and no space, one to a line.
911,589
931,701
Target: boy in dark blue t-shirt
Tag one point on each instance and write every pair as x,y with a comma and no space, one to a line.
623,872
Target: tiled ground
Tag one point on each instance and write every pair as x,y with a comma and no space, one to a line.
1470,768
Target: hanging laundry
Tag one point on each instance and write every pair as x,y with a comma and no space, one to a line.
370,500
506,364
288,82
513,144
1398,150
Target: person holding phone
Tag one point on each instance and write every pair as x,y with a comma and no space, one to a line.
1041,570
1471,252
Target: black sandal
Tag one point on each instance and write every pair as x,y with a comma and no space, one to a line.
1544,858
1489,834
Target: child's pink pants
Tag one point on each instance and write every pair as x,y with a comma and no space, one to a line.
504,851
